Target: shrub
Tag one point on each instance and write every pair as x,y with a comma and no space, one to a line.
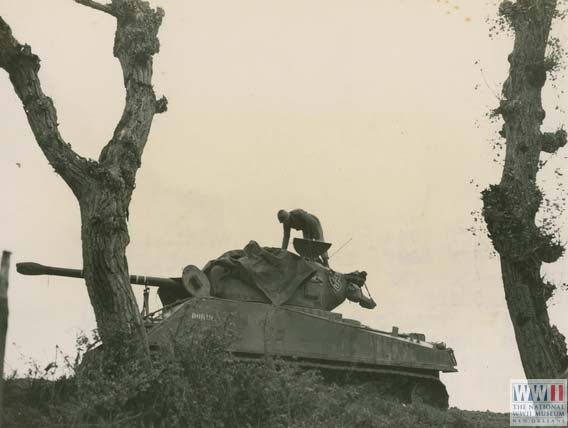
198,383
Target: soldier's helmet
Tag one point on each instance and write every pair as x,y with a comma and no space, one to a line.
283,216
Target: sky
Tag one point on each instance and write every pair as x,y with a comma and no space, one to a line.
370,114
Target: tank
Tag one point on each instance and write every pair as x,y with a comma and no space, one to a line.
282,306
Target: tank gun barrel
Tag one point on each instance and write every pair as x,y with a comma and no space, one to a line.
29,268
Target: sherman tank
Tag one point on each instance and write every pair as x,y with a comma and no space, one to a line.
282,305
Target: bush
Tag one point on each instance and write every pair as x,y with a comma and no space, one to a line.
197,383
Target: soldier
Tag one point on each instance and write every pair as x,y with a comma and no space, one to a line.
301,220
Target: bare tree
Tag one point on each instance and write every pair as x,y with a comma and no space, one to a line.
510,207
103,188
4,271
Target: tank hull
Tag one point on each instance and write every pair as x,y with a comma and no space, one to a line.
311,336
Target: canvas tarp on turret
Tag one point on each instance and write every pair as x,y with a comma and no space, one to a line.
275,271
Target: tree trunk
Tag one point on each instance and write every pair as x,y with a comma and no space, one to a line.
104,187
4,271
104,236
511,206
541,346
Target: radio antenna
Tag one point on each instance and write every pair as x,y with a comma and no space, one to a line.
341,248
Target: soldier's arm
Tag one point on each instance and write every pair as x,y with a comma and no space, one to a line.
286,239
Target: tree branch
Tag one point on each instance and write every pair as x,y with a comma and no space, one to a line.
107,8
552,141
136,42
22,67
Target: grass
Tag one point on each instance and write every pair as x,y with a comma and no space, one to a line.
197,384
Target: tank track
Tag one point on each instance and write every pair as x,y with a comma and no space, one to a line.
403,384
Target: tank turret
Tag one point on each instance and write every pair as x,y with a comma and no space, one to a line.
254,274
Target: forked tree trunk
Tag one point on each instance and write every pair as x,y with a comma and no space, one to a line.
4,271
104,236
104,187
511,206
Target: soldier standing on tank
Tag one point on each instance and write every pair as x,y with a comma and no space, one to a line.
302,220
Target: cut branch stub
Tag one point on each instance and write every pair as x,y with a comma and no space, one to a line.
509,214
107,8
162,105
519,12
552,141
136,39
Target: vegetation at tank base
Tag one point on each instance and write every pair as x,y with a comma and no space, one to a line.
199,384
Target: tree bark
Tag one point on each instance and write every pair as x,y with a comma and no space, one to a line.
103,188
4,271
511,206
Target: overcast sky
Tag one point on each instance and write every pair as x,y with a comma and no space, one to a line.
369,114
